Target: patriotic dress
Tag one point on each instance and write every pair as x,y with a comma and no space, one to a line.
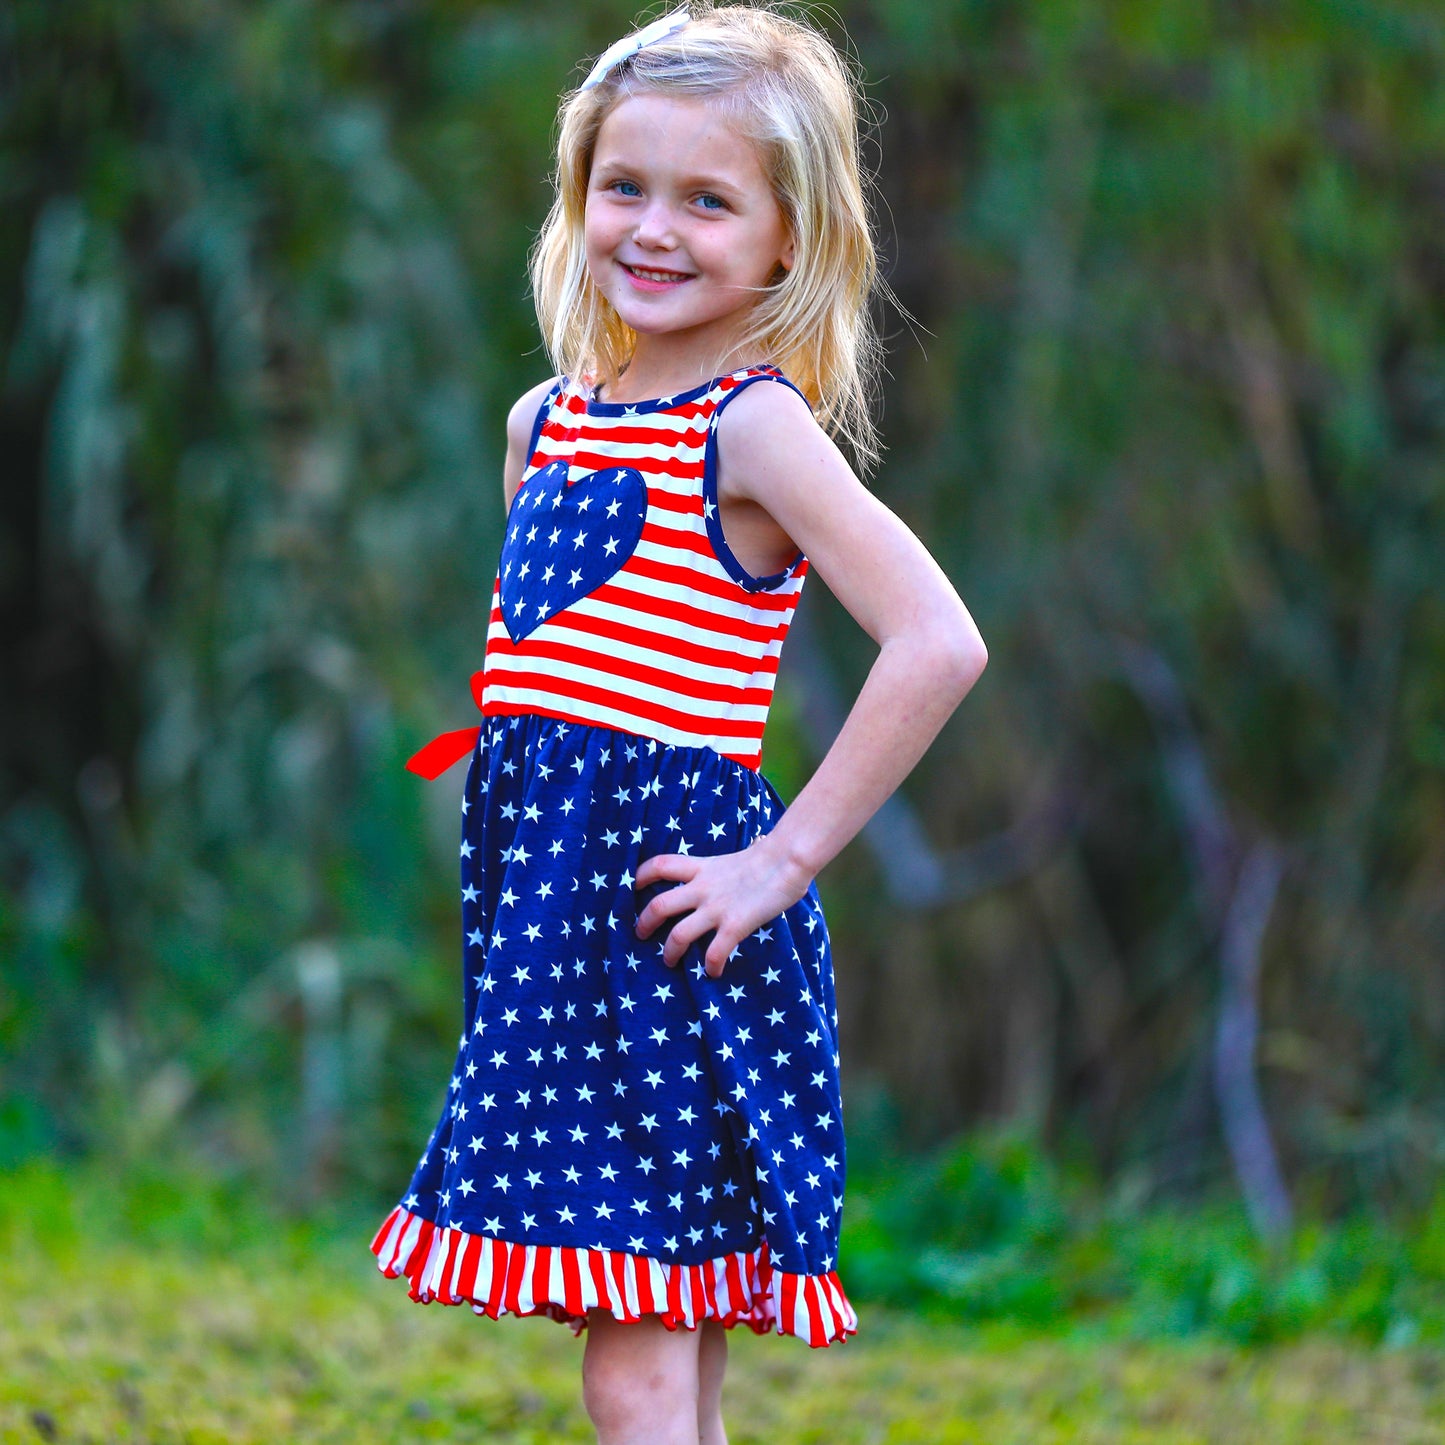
619,1134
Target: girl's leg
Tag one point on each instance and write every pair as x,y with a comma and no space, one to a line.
640,1381
712,1360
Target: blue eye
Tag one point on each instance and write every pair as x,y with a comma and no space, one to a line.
710,202
626,188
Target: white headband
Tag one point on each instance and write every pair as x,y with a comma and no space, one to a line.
629,45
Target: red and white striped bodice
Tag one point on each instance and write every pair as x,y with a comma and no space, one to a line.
680,643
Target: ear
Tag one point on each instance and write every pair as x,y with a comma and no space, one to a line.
788,255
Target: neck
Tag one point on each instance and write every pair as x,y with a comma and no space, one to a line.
659,370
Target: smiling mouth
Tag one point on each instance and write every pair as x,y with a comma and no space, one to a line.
646,273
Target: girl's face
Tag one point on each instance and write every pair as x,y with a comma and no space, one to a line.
682,229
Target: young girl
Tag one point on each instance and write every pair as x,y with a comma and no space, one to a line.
643,1126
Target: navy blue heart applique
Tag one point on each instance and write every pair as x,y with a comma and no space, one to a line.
564,542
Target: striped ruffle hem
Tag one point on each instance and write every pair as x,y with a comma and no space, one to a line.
496,1277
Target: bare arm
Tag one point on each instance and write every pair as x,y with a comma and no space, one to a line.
930,654
520,421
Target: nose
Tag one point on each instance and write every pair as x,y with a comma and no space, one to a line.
654,228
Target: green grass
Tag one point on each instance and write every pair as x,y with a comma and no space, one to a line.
137,1313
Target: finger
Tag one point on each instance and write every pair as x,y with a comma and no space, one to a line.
718,953
662,867
668,902
684,934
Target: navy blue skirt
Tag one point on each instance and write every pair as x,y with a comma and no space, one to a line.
619,1134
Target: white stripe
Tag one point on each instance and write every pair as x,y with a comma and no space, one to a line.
628,450
746,718
614,1302
727,610
667,420
454,1284
590,1298
427,1288
825,1307
785,1326
525,1299
386,1256
664,484
725,1300
523,699
482,1287
682,525
556,1285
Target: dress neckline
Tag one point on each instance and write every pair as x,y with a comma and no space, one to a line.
597,407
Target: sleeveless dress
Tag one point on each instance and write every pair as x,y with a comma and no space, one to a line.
619,1134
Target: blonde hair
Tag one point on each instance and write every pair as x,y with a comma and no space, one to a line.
787,90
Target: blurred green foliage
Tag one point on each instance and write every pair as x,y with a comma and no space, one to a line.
1178,386
991,1229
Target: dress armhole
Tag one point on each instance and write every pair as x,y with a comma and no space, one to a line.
554,393
712,512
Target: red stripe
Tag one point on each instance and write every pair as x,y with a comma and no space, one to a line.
683,503
686,540
584,692
571,1283
467,1284
419,1255
646,1305
815,1315
665,432
499,1278
516,1267
666,466
593,679
680,540
790,1296
533,708
541,1270
574,402
674,1293
735,1281
379,1242
688,579
454,1245
624,669
618,1263
599,1277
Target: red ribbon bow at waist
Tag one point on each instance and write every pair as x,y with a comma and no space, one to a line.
441,752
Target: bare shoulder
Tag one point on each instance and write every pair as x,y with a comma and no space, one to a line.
773,452
523,415
520,421
762,424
